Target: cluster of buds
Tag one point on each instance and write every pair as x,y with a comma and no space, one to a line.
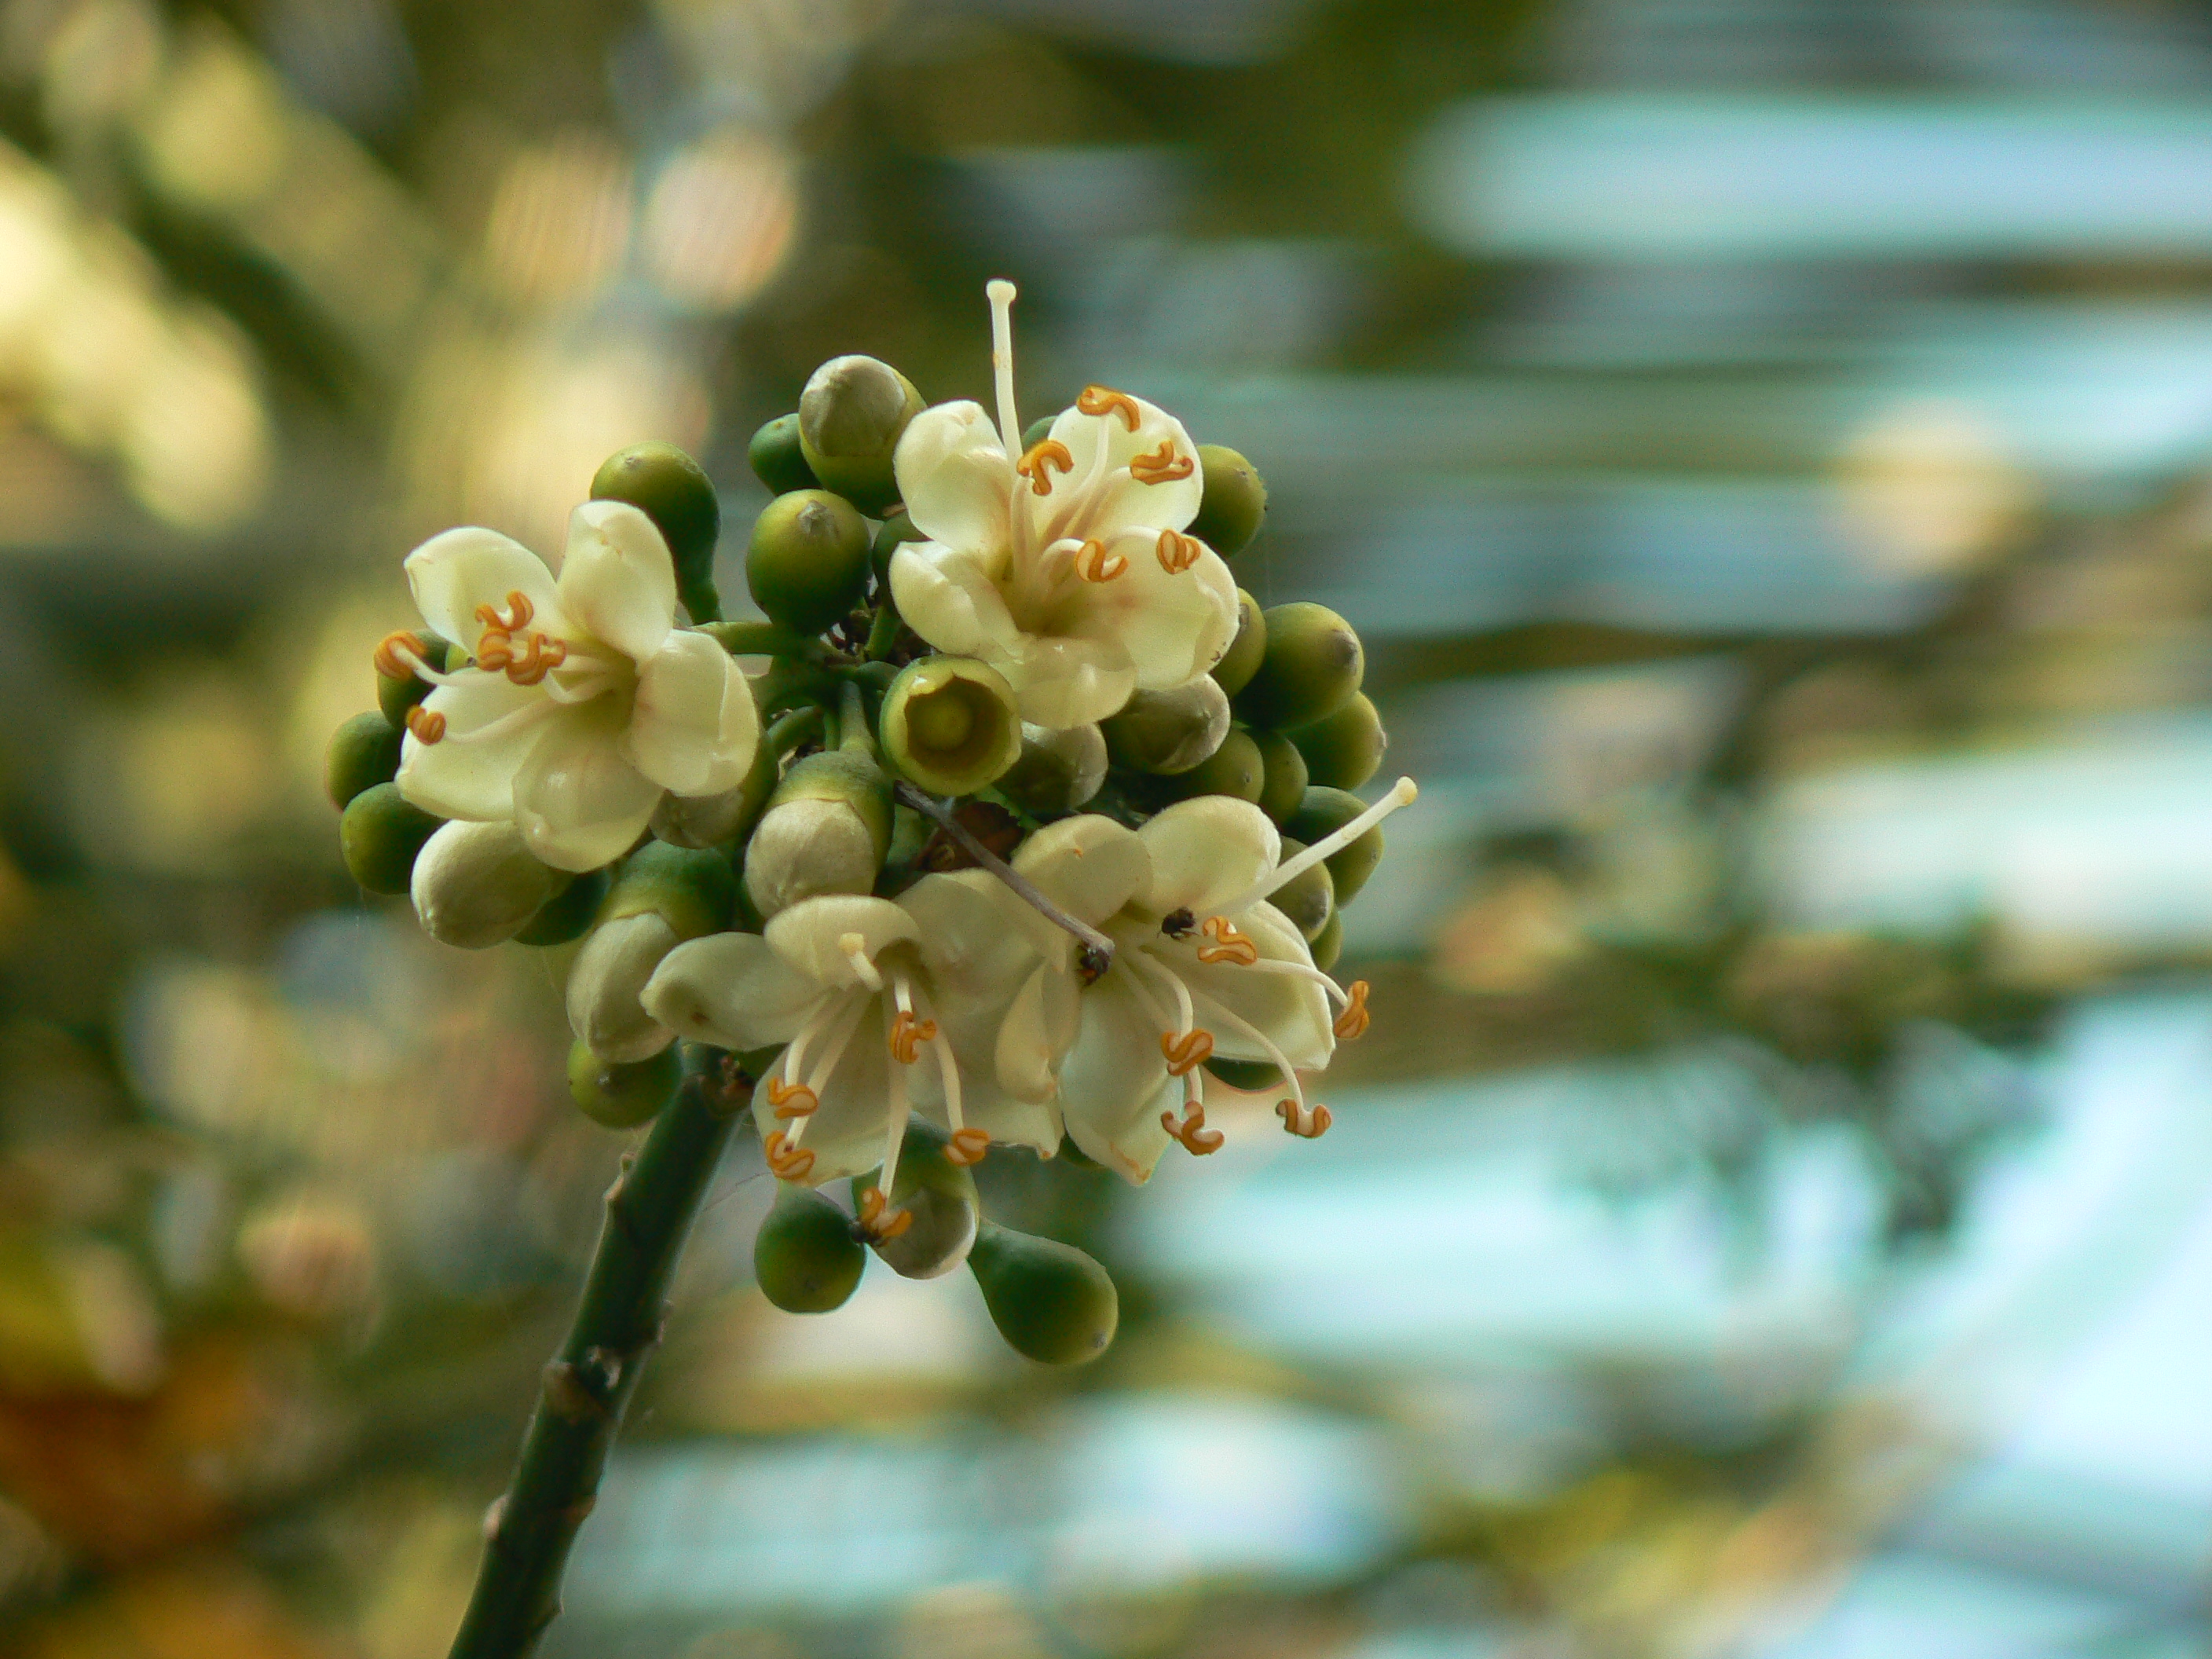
1033,822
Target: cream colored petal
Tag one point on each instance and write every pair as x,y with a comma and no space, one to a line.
1100,496
1114,1084
618,582
464,775
1061,681
694,727
732,990
849,1128
606,982
946,594
577,801
813,935
1292,1013
451,575
1204,852
976,939
1174,623
1089,866
953,476
1008,1120
1029,1049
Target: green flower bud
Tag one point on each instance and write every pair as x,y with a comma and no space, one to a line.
380,835
364,752
673,490
395,698
938,1194
704,821
1343,750
568,915
692,890
893,534
778,461
1052,1302
622,1097
1250,1075
1324,811
1329,946
1311,669
662,896
827,830
850,418
1283,781
476,886
1309,900
1038,431
1166,732
951,724
1242,661
1235,504
809,559
805,1255
1235,769
1060,768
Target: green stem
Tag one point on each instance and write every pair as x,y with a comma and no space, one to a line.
852,730
881,633
529,1530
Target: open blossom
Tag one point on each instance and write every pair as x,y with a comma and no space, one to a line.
583,704
956,997
1203,966
1066,568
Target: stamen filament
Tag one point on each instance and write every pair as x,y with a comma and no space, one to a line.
852,945
1402,793
1186,1020
1001,292
1275,1056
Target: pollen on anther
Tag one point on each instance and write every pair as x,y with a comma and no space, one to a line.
1100,399
1229,945
427,724
1309,1123
391,664
792,1100
1178,552
1094,564
1187,1051
967,1146
1044,456
1162,465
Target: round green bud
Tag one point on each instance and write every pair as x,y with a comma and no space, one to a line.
1282,783
850,418
827,830
1324,812
1308,899
1038,431
1235,504
1343,750
364,752
951,724
809,559
1329,946
476,886
568,915
1166,732
1051,1302
1250,1075
805,1255
694,892
894,533
938,1194
778,461
1312,667
1242,661
673,490
394,697
380,835
1060,768
622,1097
1235,769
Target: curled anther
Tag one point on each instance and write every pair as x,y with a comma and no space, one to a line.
1185,1051
908,1035
519,610
1229,945
1094,564
427,724
542,656
1178,552
1037,464
877,1221
1351,1023
1100,399
389,661
1309,1122
792,1100
790,1163
1161,465
967,1146
1197,1139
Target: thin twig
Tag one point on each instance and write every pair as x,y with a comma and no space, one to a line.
1098,954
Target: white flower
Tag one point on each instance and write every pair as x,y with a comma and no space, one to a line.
1203,966
1067,569
584,703
955,997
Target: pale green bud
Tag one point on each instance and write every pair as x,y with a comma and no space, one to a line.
1051,1302
1166,732
618,1097
1060,768
476,886
850,418
951,724
938,1194
827,830
609,972
804,1255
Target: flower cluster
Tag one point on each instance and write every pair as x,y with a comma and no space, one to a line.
1034,828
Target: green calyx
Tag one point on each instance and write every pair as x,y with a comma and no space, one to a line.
673,490
804,1255
808,560
622,1097
1235,504
951,724
1346,748
1242,661
692,890
1051,1302
380,835
850,418
1312,667
777,459
364,752
1322,812
937,1193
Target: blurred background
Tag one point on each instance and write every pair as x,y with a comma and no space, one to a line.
1767,447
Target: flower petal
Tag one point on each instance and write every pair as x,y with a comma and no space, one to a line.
1114,1084
1061,682
578,803
1204,852
954,476
849,1128
1174,623
618,582
451,575
812,935
1089,866
1101,495
1292,1013
694,728
463,775
946,594
730,990
1038,1030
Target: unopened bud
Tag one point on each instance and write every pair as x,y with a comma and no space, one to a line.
1242,661
1051,1302
1308,899
938,1194
380,835
850,418
808,559
1343,750
805,1255
663,895
673,490
1235,769
951,724
1235,504
1312,668
568,915
1282,775
1166,732
476,886
1059,770
777,460
364,752
1322,813
1330,945
827,830
394,697
622,1097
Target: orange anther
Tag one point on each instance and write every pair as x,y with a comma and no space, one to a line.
875,1222
1185,1051
542,658
1311,1123
520,611
1094,564
908,1034
1351,1023
1197,1139
391,664
1178,552
1162,465
496,650
1229,945
428,725
790,1163
1044,455
1098,399
791,1099
967,1146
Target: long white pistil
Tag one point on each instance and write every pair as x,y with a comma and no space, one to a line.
1002,363
1402,793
